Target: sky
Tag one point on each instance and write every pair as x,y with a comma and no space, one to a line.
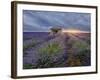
42,21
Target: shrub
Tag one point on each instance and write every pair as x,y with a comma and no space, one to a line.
81,46
46,55
51,49
84,57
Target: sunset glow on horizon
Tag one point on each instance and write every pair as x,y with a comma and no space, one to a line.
74,31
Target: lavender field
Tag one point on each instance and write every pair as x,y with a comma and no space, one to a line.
47,50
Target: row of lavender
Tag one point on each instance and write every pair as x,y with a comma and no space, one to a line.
42,50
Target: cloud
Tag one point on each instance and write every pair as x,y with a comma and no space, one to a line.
43,20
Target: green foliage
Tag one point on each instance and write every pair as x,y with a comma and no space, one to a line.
46,55
82,51
83,54
29,45
45,62
80,45
51,49
88,41
28,66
